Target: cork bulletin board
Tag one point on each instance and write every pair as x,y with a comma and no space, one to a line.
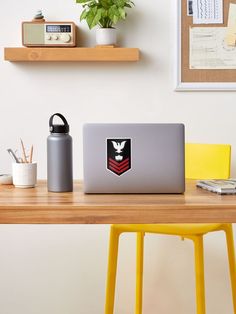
188,78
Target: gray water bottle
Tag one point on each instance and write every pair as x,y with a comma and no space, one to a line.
59,157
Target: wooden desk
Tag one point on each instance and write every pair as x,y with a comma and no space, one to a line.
37,206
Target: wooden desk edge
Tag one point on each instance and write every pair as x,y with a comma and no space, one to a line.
78,216
37,206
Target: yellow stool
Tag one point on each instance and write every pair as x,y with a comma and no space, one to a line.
209,161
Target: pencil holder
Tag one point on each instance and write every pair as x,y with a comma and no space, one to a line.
24,175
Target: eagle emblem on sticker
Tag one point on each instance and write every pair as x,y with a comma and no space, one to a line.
118,155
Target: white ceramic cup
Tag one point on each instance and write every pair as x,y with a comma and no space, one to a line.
106,36
24,175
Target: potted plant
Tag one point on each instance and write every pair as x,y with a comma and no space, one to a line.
106,14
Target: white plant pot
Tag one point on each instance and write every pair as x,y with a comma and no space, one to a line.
106,36
24,175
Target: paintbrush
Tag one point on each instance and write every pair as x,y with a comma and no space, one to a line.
31,154
23,151
13,156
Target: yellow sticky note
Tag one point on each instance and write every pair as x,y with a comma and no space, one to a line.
231,38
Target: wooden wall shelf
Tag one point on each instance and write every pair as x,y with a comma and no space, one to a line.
71,54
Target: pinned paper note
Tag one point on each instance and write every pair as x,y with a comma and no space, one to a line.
208,49
207,11
231,30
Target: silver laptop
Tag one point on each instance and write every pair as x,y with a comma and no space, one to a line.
133,158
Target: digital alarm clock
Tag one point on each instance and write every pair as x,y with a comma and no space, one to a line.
48,34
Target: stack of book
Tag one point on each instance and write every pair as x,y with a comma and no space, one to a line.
218,186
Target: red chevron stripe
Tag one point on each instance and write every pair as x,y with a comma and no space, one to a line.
124,161
119,166
123,170
119,171
118,163
124,167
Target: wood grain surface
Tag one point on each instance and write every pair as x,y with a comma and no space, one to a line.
38,206
201,75
70,54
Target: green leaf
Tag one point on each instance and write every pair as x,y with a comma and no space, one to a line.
115,19
90,17
113,11
93,17
97,18
83,15
83,1
132,3
120,3
105,13
122,13
94,10
114,14
104,4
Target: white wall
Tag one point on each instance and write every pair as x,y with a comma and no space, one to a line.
61,269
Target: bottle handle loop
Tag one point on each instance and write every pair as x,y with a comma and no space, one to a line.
60,116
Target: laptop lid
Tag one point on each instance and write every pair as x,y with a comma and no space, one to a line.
133,158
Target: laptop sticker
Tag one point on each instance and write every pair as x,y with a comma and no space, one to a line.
118,155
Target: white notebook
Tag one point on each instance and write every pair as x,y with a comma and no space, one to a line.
218,186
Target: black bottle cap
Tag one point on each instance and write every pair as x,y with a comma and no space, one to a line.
58,128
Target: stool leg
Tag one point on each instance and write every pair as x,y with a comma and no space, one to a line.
199,273
111,272
232,261
139,273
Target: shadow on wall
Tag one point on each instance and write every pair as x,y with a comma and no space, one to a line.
81,37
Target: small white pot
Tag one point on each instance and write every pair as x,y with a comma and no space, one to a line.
106,36
24,175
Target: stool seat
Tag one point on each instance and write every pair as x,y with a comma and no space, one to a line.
172,229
